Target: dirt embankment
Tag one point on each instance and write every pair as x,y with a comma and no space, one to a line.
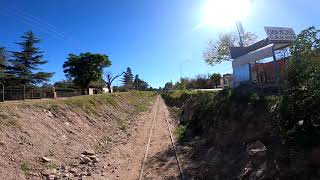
233,135
49,138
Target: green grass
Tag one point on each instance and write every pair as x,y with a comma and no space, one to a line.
25,167
212,109
141,107
91,103
50,165
179,131
178,97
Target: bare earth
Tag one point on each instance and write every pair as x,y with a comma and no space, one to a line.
124,160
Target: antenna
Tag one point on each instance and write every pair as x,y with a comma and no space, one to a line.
240,31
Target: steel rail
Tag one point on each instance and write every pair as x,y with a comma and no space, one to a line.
173,146
149,139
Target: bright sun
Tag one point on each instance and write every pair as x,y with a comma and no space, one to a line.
224,13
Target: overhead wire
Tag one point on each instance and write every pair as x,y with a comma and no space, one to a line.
39,24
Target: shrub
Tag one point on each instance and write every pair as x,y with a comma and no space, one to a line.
299,111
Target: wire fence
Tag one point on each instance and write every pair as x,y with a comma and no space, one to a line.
68,92
23,93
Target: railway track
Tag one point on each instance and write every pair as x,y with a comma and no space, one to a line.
160,120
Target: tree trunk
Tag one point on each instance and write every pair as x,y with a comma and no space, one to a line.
109,87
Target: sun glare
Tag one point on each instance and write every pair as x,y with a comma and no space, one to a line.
224,13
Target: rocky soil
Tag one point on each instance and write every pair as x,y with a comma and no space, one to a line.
235,136
68,139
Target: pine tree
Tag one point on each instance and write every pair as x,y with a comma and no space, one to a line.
127,79
3,63
25,63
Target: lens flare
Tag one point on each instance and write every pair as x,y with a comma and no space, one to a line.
224,13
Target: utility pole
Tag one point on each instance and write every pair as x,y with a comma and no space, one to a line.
240,32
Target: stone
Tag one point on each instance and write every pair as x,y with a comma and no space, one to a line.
88,152
65,167
85,160
48,172
94,159
256,147
51,177
246,173
33,174
67,175
46,159
73,170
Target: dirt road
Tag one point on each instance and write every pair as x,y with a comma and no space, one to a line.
125,160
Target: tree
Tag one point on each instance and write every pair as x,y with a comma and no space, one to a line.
85,68
140,84
110,79
3,63
65,84
299,109
127,79
219,50
25,62
215,78
168,86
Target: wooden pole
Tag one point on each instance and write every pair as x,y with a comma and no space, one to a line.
2,93
24,92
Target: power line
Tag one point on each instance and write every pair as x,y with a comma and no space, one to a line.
38,24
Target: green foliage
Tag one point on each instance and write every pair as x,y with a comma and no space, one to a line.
212,109
140,84
127,79
168,86
65,84
201,81
3,64
180,130
25,167
50,165
177,97
85,68
219,50
215,78
300,112
24,64
182,85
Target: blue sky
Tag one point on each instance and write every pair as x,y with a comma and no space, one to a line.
156,38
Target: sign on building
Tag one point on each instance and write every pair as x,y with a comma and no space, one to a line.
280,34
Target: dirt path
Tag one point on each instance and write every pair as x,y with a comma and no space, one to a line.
125,159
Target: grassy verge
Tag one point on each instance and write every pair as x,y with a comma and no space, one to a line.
205,110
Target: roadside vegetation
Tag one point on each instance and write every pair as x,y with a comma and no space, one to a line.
231,121
21,76
201,81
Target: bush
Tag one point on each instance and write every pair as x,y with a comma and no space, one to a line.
299,111
300,115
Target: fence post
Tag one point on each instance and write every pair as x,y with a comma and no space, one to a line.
31,93
2,93
41,93
24,92
54,93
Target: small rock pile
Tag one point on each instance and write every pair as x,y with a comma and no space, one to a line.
88,160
